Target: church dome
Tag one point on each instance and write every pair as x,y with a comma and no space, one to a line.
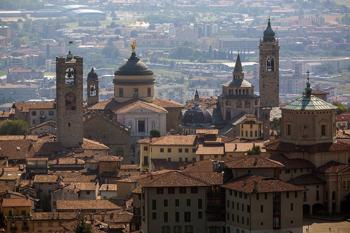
269,34
133,66
92,75
197,116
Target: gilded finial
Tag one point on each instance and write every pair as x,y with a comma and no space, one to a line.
133,46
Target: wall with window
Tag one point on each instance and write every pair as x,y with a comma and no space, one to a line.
174,209
38,116
132,87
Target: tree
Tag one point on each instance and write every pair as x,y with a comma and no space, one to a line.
13,127
254,151
154,133
341,108
83,227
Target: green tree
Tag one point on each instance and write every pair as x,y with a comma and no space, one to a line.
254,151
13,127
341,108
83,227
154,133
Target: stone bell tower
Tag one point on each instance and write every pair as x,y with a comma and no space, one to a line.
92,88
69,98
269,69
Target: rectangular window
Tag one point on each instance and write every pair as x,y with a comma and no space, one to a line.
323,130
193,150
200,204
287,195
187,216
165,216
141,126
261,209
154,215
145,148
182,190
177,217
180,150
145,160
165,202
177,202
159,190
291,207
162,150
186,150
136,92
154,204
200,214
121,92
188,202
149,92
248,208
194,190
171,190
169,150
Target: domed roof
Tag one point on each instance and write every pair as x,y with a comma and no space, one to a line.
92,75
269,34
197,116
134,66
308,101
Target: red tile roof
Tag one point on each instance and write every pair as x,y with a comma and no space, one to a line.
292,163
26,106
167,103
175,179
259,184
253,161
333,167
171,140
316,148
76,205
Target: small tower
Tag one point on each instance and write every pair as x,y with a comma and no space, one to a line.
69,98
269,69
92,88
238,74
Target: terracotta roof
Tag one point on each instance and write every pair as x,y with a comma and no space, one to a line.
175,179
343,117
167,103
141,104
49,216
89,144
333,167
103,104
316,148
171,140
108,187
207,131
200,166
210,150
307,179
259,184
83,186
26,106
45,179
212,178
77,205
243,146
16,202
108,158
5,115
160,164
17,147
253,161
292,163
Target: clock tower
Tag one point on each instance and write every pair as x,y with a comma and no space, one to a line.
69,98
269,69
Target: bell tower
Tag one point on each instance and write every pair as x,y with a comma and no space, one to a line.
92,88
269,69
69,98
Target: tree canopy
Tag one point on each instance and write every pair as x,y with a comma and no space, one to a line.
13,127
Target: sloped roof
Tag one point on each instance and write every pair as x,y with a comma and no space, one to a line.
210,150
175,179
76,205
253,161
307,179
311,102
171,140
167,103
26,106
141,104
277,145
16,202
259,184
332,167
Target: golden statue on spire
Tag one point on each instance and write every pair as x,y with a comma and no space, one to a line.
133,46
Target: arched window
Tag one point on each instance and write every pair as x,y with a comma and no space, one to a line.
93,91
270,64
69,77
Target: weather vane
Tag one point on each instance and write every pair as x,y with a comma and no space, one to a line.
133,46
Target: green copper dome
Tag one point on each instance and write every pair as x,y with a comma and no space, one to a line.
269,34
134,66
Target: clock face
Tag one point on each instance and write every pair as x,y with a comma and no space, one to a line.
70,76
